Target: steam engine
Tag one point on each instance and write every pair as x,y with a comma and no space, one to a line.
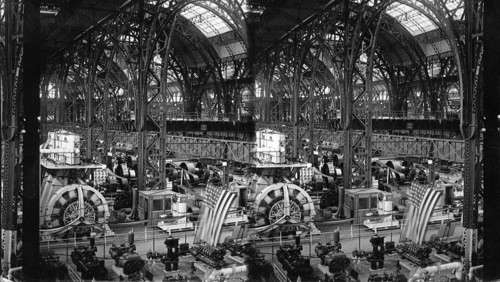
84,257
126,257
293,262
333,257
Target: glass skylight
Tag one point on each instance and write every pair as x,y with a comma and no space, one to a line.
206,21
414,21
456,8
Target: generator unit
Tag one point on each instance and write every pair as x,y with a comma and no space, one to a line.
293,262
332,256
84,257
68,203
126,257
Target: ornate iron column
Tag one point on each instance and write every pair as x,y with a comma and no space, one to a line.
10,55
356,106
346,108
141,107
164,117
471,102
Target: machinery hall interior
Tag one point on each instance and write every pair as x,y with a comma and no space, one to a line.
250,140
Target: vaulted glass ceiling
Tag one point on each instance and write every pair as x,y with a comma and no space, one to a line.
206,21
216,21
415,21
213,21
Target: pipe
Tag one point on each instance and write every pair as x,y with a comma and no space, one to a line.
9,274
228,271
433,269
471,270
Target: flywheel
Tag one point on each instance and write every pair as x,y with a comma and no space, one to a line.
71,212
283,203
75,204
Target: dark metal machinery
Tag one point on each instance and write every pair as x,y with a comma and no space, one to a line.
170,258
332,256
84,257
376,258
126,257
292,261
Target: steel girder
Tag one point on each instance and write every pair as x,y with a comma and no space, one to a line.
11,53
190,147
357,151
472,55
387,145
391,145
429,89
427,85
19,82
432,148
304,60
238,151
163,91
315,46
398,76
294,80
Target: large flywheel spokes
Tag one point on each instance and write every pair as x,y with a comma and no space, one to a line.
279,211
74,204
283,203
76,208
74,211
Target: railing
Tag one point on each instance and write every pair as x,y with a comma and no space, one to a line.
413,114
417,114
382,114
191,116
280,274
388,145
238,151
445,149
318,124
73,275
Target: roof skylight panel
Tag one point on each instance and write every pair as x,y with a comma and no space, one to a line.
416,22
456,9
206,21
222,12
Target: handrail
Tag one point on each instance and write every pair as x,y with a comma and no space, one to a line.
280,274
73,275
